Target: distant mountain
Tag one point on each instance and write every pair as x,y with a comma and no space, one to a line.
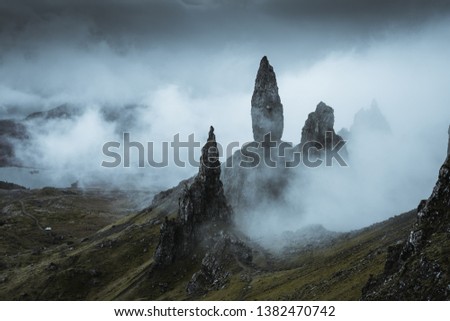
370,120
10,132
63,111
10,186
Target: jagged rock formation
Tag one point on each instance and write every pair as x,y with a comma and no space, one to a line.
267,110
203,227
217,264
264,175
319,127
370,120
169,244
418,269
203,202
63,111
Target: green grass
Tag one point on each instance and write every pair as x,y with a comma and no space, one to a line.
106,252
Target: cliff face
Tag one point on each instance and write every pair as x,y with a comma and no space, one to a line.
319,127
418,269
267,110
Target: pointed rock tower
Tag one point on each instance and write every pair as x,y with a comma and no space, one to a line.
202,206
267,110
204,201
319,127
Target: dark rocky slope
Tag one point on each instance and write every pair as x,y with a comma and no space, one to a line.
418,268
11,131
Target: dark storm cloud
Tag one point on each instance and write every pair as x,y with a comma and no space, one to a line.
381,10
138,21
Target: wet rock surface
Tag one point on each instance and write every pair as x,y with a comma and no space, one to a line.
217,264
319,128
203,225
267,110
418,269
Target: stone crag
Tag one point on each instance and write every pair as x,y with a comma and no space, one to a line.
319,128
418,268
267,110
203,225
202,202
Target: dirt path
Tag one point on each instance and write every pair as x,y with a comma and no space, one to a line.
31,216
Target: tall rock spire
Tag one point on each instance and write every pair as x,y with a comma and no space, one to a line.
201,204
267,110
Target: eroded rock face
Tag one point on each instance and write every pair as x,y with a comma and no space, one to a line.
215,269
267,110
319,127
370,120
204,200
203,228
413,271
201,203
168,246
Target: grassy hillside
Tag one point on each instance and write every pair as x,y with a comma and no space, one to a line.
99,248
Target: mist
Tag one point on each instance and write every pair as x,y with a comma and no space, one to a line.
169,67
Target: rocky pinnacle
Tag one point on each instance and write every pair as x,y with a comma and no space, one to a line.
318,124
201,204
267,110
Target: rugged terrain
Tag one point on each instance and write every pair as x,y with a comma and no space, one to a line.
98,250
418,267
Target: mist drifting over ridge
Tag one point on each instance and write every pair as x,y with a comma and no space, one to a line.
180,66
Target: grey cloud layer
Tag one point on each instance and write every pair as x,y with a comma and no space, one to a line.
194,22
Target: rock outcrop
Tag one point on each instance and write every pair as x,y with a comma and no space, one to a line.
418,269
217,264
11,132
202,233
319,128
204,201
202,205
267,110
370,120
64,111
